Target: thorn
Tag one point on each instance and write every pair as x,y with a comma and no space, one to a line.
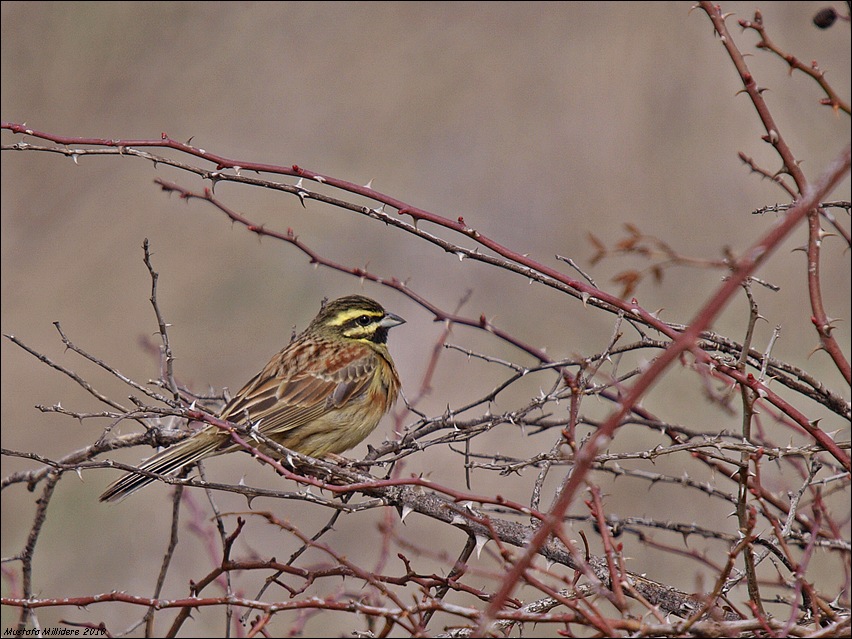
406,511
772,137
458,520
480,544
818,348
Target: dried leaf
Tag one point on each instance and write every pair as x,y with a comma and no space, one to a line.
628,280
632,229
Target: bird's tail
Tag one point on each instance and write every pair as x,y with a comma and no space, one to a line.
163,463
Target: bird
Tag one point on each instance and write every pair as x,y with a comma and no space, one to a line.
320,395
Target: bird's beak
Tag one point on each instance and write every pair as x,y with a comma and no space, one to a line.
390,320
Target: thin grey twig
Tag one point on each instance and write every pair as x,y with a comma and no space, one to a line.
162,326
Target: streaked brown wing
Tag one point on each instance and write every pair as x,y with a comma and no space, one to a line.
300,384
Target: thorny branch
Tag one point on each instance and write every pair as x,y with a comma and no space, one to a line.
570,587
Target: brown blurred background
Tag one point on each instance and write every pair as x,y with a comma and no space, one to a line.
536,122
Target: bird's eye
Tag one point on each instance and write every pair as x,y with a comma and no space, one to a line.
364,320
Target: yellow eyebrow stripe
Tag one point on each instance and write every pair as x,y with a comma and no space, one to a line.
344,316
